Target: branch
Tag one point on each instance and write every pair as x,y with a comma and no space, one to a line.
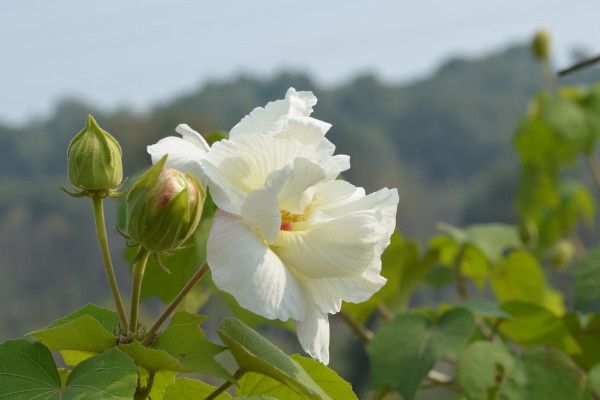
579,65
363,333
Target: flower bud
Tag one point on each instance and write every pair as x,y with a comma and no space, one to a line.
163,208
561,253
94,159
540,47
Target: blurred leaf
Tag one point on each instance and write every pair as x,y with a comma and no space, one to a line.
595,379
481,368
191,389
531,324
587,337
254,353
544,374
520,277
491,239
29,371
257,384
91,329
405,349
587,282
185,341
484,307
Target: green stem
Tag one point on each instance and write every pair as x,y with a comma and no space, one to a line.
110,273
136,289
143,393
225,386
180,296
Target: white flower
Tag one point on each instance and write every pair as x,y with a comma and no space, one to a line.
289,241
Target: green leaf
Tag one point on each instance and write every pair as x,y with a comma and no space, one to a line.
162,380
185,341
520,277
404,350
90,329
531,324
29,371
484,307
492,239
587,282
595,379
152,360
544,374
190,389
252,384
481,368
254,353
587,337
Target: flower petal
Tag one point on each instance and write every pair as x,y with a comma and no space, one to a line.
334,248
240,165
242,265
184,153
313,333
328,293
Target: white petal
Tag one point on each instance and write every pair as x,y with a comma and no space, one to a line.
261,209
240,165
328,293
303,174
183,155
338,247
242,265
192,136
313,334
306,131
272,118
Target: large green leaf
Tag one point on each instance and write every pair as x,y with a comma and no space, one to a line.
587,282
586,332
404,350
531,324
185,341
29,371
481,368
90,329
252,384
152,359
544,374
254,353
520,277
190,389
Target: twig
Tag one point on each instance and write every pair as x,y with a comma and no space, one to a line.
186,289
594,168
579,65
461,284
385,312
363,333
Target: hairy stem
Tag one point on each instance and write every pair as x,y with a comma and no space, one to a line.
136,289
225,386
110,273
461,283
180,296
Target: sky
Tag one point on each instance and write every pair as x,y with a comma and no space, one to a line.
139,53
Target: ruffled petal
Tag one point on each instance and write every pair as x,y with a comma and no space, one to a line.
334,248
313,333
328,293
242,265
182,155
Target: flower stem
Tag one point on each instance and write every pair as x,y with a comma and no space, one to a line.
180,296
110,273
136,289
226,385
363,333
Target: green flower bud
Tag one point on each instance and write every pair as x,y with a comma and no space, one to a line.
540,47
163,208
94,159
561,253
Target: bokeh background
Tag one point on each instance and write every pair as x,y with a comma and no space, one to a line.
424,96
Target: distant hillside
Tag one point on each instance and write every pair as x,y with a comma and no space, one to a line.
444,141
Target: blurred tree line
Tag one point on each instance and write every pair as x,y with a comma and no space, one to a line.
444,141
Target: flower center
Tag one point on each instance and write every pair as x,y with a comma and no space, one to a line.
288,219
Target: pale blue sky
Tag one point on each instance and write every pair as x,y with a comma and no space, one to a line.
115,52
